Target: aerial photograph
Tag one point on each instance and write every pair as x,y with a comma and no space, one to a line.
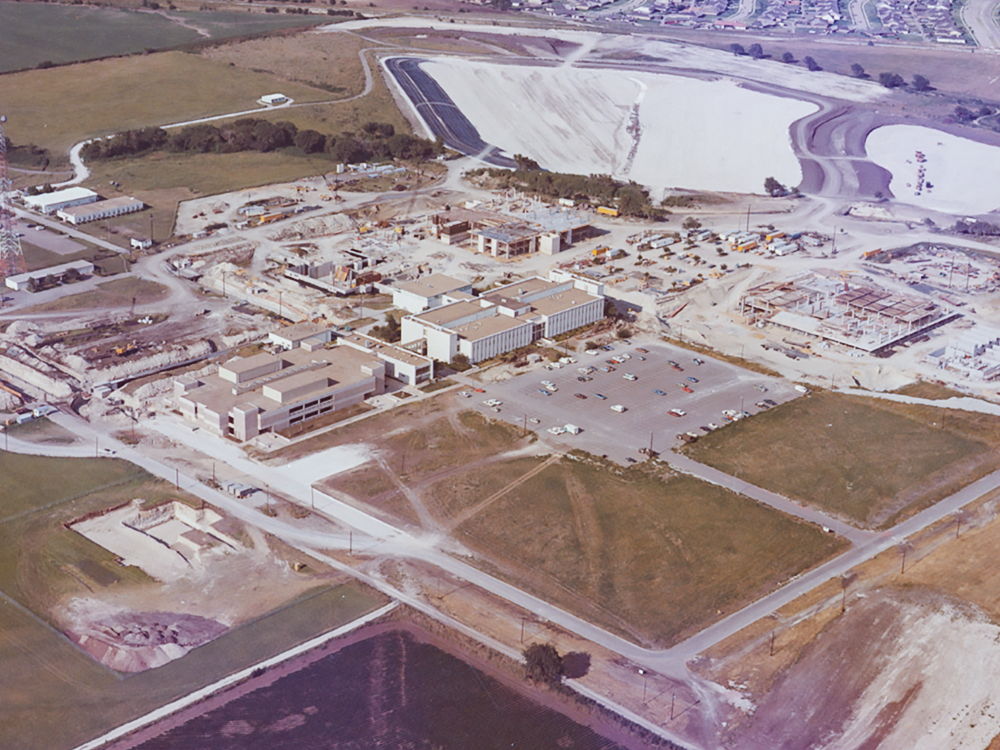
491,374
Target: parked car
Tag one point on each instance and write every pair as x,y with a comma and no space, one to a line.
658,392
601,396
618,408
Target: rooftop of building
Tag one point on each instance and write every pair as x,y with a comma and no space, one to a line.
240,365
340,366
390,351
433,285
442,316
561,301
67,194
488,326
110,203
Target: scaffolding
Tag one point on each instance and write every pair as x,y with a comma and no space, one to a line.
11,255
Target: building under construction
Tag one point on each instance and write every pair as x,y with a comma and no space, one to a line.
831,307
545,229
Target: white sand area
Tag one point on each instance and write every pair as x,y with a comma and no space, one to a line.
326,463
703,135
964,174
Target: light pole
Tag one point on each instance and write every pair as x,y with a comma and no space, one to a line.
643,673
279,306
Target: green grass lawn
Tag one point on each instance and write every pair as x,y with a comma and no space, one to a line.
31,33
655,559
866,460
159,89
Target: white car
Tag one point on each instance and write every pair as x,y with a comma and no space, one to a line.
493,402
618,408
629,376
623,355
557,430
465,394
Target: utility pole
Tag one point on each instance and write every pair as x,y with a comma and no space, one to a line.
177,478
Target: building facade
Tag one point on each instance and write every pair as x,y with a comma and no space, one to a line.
505,318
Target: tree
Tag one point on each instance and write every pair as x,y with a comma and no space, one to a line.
543,663
460,362
857,71
774,188
920,83
310,141
788,57
962,114
526,163
891,80
737,49
691,223
756,51
624,333
811,64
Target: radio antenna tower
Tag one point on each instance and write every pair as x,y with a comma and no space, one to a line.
11,256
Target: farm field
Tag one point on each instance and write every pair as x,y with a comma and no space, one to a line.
654,558
869,461
114,293
161,88
32,33
359,696
49,574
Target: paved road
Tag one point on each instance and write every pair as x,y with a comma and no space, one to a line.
439,112
980,18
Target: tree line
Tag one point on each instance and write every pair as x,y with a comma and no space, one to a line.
629,198
377,140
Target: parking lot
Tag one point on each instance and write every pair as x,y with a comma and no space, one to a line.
714,386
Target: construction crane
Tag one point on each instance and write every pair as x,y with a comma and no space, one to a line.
11,255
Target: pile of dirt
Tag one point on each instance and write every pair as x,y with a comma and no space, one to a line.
135,642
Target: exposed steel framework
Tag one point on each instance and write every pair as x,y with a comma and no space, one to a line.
11,256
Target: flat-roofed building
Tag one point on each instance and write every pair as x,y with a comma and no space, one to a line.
22,281
98,210
428,292
49,203
400,363
506,318
270,392
292,336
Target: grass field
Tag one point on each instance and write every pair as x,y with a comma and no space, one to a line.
42,562
866,460
933,391
199,174
160,89
114,293
31,33
655,559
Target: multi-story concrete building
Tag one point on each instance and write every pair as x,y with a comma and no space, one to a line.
269,392
506,318
429,292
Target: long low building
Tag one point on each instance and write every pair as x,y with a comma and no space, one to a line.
505,318
22,281
100,210
49,203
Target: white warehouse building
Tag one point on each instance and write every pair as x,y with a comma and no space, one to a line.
49,203
100,210
506,318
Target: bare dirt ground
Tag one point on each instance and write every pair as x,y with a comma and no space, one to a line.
910,664
136,628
